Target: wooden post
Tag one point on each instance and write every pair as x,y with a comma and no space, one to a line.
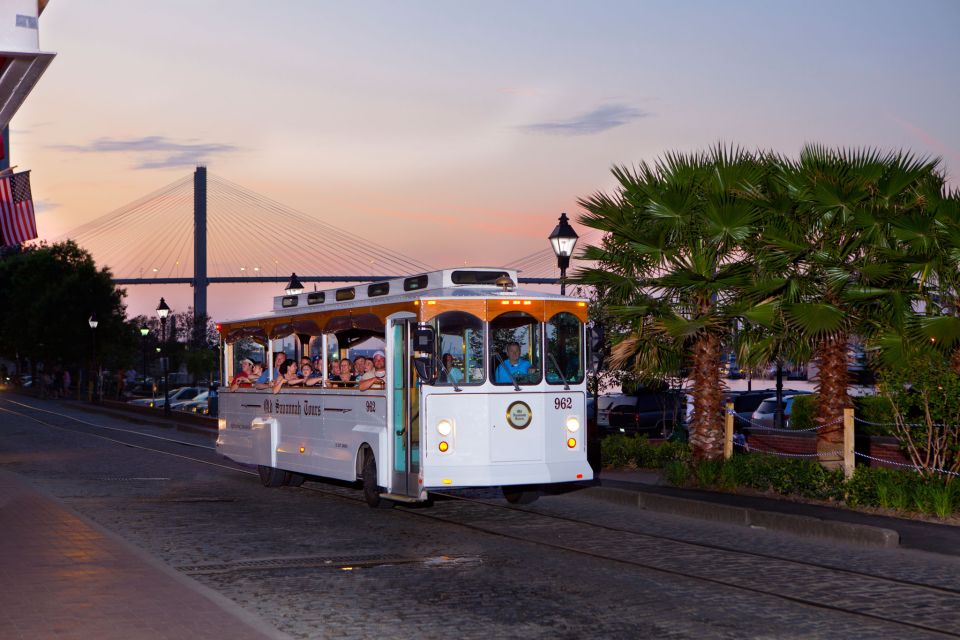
728,432
848,457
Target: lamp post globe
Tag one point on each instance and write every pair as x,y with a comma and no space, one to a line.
294,287
162,312
563,240
93,322
144,332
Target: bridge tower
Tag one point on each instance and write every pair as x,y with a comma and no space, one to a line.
200,281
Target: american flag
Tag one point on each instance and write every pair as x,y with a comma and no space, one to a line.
17,219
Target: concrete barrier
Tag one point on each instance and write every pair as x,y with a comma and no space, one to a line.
805,526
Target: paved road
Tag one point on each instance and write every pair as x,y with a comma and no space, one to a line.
315,562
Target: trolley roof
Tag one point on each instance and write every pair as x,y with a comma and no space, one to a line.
471,289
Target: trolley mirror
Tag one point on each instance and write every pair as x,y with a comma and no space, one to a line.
424,347
425,369
424,339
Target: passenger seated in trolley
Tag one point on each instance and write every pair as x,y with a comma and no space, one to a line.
288,376
310,376
345,377
450,374
514,367
244,378
379,373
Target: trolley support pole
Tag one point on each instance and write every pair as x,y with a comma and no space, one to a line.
728,432
848,456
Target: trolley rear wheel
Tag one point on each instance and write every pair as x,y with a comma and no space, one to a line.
520,494
371,490
294,479
271,477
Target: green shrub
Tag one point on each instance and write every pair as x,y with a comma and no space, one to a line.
877,411
643,454
861,489
803,413
676,473
668,452
707,472
895,489
787,476
616,451
728,476
942,500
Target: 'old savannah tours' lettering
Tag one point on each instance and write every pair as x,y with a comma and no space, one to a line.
292,408
286,408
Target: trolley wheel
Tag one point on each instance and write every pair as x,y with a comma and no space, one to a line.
371,490
294,479
520,494
271,477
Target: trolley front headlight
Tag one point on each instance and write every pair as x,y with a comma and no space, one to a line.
445,428
573,424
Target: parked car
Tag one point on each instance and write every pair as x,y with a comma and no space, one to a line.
177,395
605,403
763,415
142,388
183,405
201,408
654,413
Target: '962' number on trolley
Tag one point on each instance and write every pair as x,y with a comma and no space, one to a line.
562,403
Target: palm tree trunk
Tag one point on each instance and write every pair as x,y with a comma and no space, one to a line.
832,399
706,433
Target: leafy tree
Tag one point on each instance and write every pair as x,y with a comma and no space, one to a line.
924,395
47,294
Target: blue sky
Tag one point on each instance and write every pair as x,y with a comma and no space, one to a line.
454,131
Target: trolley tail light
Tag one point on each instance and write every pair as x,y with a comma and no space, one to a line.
443,446
571,442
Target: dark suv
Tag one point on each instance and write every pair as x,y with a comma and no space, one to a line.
652,413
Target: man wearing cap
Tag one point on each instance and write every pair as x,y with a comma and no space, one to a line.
378,375
243,378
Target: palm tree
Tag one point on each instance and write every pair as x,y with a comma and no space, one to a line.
828,262
671,261
930,238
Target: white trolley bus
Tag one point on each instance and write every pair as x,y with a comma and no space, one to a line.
484,385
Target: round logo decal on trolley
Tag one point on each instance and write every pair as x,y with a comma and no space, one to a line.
519,415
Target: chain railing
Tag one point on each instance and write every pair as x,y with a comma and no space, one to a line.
894,424
762,427
848,454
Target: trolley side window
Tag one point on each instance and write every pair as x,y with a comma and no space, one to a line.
459,349
564,361
515,349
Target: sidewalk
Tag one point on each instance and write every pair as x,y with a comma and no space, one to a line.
913,534
62,576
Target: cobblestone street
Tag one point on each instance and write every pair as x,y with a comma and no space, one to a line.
314,562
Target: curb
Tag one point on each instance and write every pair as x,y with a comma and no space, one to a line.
805,526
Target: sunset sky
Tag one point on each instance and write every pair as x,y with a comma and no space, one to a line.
454,131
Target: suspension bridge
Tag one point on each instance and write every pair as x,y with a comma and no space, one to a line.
204,229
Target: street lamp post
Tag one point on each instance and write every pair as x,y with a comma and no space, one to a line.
563,240
162,311
93,322
144,332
